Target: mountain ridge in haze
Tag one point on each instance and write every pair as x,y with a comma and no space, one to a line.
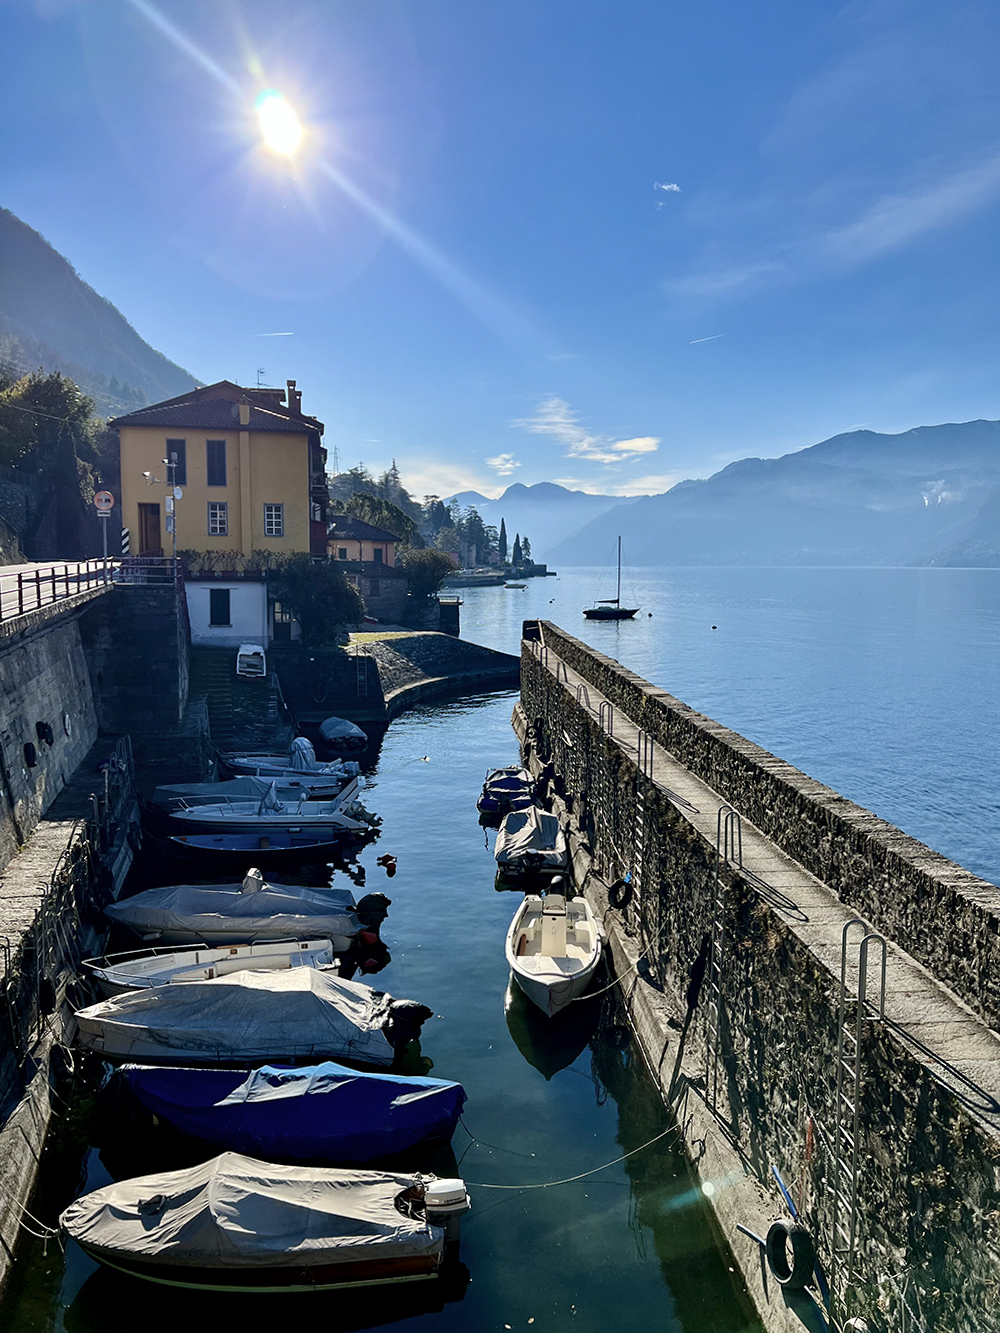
546,512
50,317
930,495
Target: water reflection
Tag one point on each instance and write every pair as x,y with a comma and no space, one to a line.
549,1044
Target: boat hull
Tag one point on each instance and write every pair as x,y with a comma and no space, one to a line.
553,994
280,1278
268,851
611,613
552,977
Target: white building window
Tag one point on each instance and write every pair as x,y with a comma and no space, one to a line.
274,520
218,518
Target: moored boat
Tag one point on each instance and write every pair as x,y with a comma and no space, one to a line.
304,786
318,1112
610,608
343,736
301,758
274,851
250,1019
271,815
529,843
253,911
238,1224
120,973
553,948
506,789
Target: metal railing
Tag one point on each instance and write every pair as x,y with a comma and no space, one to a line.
31,589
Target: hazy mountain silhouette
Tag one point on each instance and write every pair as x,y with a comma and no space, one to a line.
927,496
546,512
50,317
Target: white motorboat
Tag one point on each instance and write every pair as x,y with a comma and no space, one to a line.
252,1018
271,815
531,842
304,786
553,948
238,1224
120,973
301,758
253,911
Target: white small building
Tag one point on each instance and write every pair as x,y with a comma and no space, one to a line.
227,610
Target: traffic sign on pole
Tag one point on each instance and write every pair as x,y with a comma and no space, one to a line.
104,502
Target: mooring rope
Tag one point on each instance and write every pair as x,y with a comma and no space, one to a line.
550,1184
46,1233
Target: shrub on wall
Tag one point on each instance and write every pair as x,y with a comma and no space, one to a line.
318,595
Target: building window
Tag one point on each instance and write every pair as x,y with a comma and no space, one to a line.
178,450
218,606
215,460
341,552
378,555
374,588
274,520
218,518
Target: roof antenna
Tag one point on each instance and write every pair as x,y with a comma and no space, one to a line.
260,371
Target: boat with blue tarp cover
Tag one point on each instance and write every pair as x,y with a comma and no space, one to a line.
320,1112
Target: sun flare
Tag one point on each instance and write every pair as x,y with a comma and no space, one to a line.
280,126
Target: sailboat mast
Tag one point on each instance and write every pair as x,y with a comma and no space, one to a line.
618,599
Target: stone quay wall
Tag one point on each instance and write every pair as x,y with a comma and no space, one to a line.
45,690
928,1202
942,914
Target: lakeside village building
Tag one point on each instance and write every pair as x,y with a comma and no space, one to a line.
251,471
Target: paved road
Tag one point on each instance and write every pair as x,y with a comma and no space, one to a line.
28,587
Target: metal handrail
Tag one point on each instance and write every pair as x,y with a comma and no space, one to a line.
583,695
45,585
607,710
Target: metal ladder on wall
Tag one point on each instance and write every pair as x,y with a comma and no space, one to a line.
361,666
728,848
847,1116
636,916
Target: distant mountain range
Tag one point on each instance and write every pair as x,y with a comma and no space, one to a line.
50,317
929,496
546,513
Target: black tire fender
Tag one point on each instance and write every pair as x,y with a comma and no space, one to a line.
620,894
783,1237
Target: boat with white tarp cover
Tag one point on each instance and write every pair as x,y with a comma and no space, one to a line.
254,911
252,1018
531,842
119,973
237,1224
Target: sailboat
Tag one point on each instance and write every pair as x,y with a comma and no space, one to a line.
610,608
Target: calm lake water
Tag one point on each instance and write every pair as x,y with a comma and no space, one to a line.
882,683
568,1259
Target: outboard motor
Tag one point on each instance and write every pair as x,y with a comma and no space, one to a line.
373,909
446,1201
253,881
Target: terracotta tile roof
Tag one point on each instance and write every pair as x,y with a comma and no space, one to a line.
346,525
215,414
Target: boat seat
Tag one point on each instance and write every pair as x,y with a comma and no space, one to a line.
554,904
553,935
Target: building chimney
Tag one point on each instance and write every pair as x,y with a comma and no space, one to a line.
294,398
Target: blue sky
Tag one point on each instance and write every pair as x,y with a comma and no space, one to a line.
612,245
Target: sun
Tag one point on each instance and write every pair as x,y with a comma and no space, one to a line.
280,126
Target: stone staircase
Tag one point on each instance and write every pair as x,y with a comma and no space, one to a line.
213,674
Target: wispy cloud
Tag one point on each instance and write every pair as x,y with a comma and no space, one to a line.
554,418
671,187
423,475
272,335
891,222
896,219
503,465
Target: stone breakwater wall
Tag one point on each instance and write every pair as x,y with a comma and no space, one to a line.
47,704
927,1216
942,914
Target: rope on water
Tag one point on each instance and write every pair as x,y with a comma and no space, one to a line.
549,1184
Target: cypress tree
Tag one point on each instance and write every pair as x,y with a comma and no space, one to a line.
503,541
516,558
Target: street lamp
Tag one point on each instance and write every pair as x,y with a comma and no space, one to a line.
175,494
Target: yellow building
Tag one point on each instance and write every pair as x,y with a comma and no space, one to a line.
250,467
